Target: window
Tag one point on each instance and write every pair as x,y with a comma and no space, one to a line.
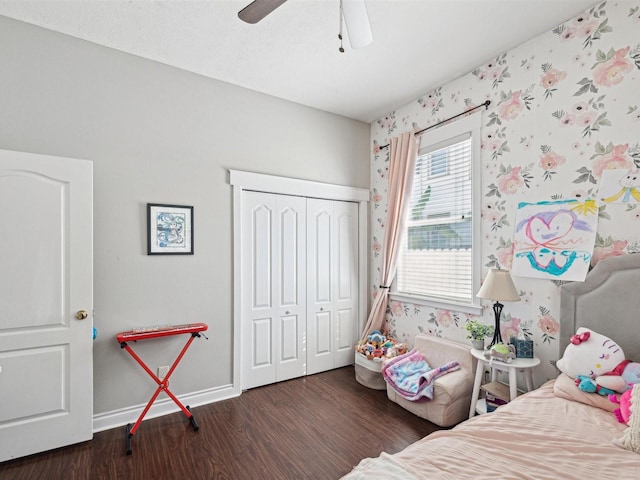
439,261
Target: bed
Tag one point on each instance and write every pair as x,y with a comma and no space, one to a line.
553,432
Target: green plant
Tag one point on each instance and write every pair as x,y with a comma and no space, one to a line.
478,330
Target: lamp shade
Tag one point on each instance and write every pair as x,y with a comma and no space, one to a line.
498,286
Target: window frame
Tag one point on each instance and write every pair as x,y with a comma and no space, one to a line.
469,125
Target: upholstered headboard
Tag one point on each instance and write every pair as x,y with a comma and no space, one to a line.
608,301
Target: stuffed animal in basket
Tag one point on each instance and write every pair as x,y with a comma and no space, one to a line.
598,364
378,346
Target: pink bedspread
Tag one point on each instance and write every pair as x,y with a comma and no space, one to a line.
538,436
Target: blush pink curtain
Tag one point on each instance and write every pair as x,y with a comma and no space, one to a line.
403,151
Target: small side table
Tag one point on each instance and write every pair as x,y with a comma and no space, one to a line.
525,364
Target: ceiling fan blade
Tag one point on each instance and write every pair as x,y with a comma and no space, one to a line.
357,21
258,9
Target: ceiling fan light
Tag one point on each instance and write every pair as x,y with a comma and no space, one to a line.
356,20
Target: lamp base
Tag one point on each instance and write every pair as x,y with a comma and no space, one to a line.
497,337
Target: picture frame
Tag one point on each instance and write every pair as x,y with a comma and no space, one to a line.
169,229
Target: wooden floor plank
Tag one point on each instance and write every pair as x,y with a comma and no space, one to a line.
315,427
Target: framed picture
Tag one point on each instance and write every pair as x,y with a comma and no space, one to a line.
169,229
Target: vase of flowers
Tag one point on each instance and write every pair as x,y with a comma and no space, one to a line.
477,332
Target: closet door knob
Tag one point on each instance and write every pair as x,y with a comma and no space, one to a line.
287,312
321,309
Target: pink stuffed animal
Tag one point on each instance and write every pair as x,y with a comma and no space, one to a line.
623,414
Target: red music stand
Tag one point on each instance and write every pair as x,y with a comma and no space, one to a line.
163,385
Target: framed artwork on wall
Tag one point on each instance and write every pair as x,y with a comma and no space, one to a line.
169,229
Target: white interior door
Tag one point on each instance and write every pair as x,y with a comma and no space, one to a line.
332,283
46,276
273,288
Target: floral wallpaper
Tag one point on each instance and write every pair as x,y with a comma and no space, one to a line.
564,107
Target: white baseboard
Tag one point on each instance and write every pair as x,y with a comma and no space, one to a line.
163,406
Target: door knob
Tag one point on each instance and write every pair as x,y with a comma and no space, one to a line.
82,314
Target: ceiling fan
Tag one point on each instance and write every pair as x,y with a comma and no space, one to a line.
354,13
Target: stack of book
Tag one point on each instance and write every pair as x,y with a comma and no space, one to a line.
496,394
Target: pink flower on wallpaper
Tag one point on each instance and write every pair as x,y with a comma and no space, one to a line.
614,250
567,119
396,308
377,197
492,144
551,161
581,19
548,325
611,72
505,256
492,216
510,329
387,122
587,28
510,182
551,77
569,33
487,212
587,118
580,107
495,73
483,74
429,101
510,108
579,194
444,318
615,159
377,248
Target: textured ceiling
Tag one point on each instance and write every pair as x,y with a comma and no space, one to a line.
293,53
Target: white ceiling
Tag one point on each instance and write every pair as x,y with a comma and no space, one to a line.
293,53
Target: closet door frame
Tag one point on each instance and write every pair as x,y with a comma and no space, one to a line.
248,181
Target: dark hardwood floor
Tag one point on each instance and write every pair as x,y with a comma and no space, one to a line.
317,427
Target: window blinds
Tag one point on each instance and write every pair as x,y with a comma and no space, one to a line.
436,258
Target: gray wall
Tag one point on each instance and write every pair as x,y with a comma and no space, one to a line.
159,134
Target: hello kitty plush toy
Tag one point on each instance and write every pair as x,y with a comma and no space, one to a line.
598,364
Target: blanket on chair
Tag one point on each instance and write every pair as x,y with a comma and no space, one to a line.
411,376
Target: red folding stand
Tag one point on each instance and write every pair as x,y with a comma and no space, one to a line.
163,384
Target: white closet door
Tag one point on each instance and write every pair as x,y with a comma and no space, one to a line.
273,288
332,283
291,301
346,287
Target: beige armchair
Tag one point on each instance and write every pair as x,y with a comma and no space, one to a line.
451,392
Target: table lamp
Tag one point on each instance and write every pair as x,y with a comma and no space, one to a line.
499,287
